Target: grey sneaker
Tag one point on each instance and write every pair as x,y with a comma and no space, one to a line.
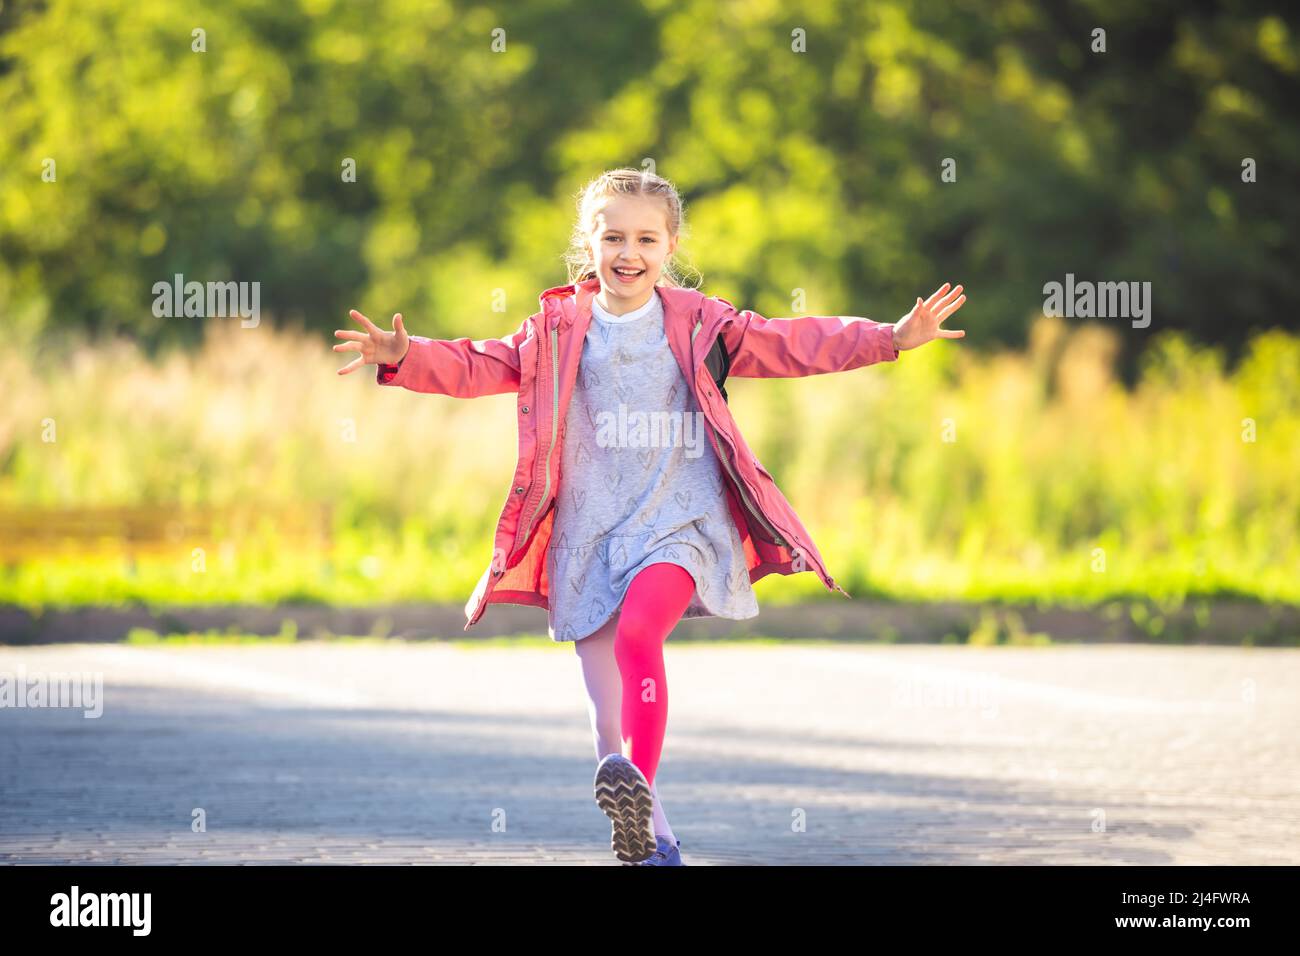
623,793
667,854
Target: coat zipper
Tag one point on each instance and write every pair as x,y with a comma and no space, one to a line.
740,484
555,401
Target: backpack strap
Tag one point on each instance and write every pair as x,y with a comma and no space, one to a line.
718,362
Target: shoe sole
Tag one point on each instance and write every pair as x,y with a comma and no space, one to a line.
623,795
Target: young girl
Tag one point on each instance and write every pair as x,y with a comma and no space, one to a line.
654,509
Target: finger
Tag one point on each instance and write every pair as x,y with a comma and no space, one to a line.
397,323
938,304
938,293
951,308
951,333
350,334
353,365
348,347
955,291
370,326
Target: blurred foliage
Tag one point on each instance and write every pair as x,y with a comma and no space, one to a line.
1026,475
817,170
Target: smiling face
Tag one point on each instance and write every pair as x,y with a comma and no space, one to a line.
630,244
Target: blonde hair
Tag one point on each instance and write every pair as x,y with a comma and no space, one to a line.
624,182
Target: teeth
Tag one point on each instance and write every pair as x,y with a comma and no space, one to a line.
628,272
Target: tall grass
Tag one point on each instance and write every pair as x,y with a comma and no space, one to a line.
948,474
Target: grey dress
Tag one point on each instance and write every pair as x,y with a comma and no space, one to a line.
640,483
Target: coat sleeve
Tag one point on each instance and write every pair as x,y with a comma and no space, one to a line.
462,368
805,345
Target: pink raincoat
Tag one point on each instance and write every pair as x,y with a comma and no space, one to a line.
539,362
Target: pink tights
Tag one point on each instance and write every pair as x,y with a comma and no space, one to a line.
623,668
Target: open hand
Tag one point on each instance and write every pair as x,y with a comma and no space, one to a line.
922,323
376,346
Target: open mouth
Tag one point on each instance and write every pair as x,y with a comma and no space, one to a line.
628,275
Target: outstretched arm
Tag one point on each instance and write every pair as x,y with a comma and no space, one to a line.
461,367
817,344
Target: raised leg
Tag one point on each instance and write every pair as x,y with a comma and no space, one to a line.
604,687
651,608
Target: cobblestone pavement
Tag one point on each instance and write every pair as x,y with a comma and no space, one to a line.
390,752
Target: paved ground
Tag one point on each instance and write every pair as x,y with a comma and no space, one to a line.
792,754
